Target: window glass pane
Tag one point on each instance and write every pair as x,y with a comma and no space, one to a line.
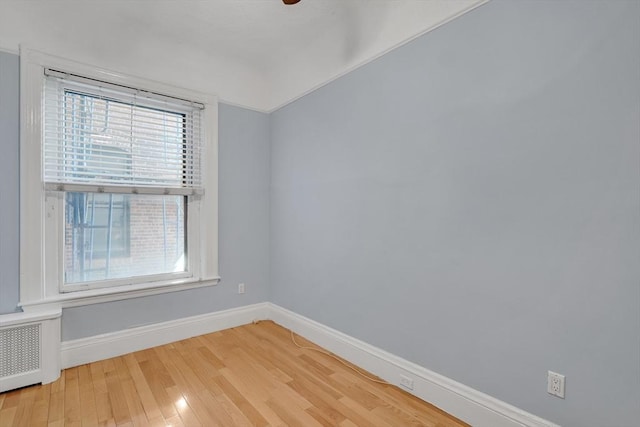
110,236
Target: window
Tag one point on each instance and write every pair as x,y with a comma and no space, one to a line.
126,194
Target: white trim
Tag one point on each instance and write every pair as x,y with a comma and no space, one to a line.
471,406
206,204
97,296
99,347
32,203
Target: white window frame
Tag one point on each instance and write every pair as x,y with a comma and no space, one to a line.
42,212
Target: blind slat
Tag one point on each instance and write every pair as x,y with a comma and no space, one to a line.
97,136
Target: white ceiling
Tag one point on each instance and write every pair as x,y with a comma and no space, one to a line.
259,54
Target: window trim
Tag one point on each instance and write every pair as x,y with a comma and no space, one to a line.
40,252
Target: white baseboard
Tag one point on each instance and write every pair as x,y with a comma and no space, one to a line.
471,406
465,403
100,347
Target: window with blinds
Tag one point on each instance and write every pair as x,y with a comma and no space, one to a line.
103,137
128,162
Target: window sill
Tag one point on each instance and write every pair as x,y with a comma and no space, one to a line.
97,296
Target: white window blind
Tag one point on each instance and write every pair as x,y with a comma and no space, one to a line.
109,138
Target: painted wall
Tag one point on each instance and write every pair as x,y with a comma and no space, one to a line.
470,202
243,224
9,172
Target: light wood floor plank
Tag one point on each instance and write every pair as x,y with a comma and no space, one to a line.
88,408
40,415
7,416
151,409
241,402
257,401
185,412
117,398
191,386
237,417
292,415
56,407
72,399
24,412
150,371
252,375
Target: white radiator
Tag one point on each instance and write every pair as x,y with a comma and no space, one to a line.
29,348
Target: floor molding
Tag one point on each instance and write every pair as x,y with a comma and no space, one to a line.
470,405
99,347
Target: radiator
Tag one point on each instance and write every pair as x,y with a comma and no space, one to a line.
29,348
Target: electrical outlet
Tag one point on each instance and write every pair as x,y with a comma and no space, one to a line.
241,288
406,382
555,384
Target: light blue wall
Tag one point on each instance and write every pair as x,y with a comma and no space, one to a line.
471,202
9,172
243,239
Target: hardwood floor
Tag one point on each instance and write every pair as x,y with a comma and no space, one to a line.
252,375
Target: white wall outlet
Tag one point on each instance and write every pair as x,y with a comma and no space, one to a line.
241,288
555,384
406,382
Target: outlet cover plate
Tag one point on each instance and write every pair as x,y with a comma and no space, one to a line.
555,384
406,382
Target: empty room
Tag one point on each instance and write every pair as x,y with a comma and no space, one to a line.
320,213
